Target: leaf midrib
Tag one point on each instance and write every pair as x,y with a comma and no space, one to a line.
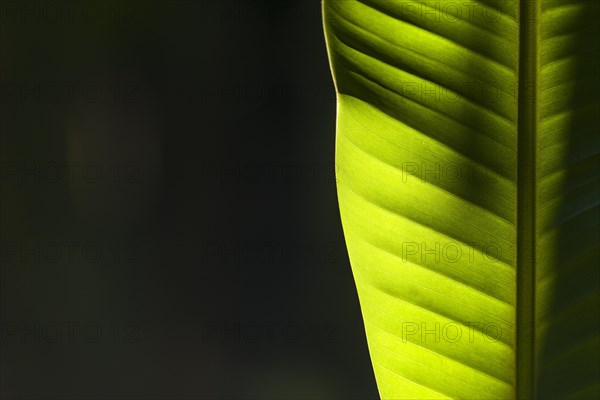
526,197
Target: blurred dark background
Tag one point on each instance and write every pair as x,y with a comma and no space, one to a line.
168,213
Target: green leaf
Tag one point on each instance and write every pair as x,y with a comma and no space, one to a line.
468,173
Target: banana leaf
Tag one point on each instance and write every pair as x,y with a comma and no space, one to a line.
467,158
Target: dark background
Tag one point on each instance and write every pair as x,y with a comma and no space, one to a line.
169,221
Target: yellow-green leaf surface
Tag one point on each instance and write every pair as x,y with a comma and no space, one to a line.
468,172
